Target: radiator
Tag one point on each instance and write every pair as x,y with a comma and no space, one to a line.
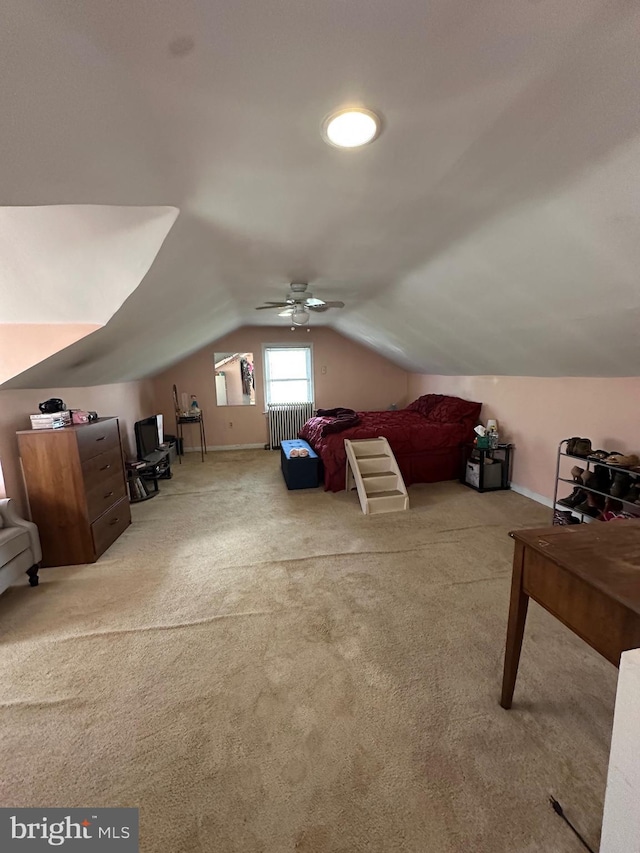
286,420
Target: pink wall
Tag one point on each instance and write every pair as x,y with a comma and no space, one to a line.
354,376
24,344
129,401
535,413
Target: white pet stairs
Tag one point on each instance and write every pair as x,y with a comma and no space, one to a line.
373,470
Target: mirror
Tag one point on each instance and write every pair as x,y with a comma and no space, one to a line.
234,377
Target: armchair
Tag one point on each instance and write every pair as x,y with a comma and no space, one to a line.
19,546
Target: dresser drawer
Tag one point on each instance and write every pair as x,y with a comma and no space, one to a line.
97,438
104,494
101,468
109,526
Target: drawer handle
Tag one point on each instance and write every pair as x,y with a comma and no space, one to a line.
104,467
102,438
108,495
114,521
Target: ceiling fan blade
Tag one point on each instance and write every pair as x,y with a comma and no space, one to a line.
286,313
326,306
272,305
314,302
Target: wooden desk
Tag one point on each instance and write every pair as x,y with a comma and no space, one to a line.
587,576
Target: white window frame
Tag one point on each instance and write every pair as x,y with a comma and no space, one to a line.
265,367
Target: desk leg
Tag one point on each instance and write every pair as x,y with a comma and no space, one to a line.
515,629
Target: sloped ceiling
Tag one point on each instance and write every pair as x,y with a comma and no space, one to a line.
492,228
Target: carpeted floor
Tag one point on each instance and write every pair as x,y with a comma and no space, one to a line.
263,670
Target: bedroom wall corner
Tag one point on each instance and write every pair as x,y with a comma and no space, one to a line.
345,374
128,401
535,413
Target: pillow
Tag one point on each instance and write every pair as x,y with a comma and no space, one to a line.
452,410
424,405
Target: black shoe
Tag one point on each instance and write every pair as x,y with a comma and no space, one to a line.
587,509
564,517
582,447
571,443
620,485
577,496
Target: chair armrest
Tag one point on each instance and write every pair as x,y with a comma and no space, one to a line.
11,519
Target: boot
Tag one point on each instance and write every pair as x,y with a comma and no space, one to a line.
620,485
593,505
578,495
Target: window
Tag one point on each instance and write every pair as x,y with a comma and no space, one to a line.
288,374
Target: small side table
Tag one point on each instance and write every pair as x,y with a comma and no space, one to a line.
190,419
484,476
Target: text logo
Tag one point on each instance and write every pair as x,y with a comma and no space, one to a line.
104,830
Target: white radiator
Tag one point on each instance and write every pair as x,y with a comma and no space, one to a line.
286,420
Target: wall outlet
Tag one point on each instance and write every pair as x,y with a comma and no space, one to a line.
324,368
230,424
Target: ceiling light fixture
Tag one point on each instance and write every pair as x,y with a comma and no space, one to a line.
351,127
300,316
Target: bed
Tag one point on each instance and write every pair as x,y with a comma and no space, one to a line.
426,438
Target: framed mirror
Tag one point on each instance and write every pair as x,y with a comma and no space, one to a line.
234,378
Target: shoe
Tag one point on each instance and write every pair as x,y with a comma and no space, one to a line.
633,495
571,443
597,479
576,473
622,461
620,485
582,447
598,455
586,509
577,496
564,517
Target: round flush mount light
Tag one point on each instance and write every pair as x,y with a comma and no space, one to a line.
351,127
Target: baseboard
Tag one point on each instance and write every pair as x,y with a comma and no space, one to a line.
226,447
527,493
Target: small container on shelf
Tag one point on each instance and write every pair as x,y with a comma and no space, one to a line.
487,469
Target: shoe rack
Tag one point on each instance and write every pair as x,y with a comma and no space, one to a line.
565,482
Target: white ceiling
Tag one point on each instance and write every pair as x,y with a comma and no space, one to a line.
492,228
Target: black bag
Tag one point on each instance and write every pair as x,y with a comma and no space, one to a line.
49,407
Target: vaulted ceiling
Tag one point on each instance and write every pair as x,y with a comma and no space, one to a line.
492,228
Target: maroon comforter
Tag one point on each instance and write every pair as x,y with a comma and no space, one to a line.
427,450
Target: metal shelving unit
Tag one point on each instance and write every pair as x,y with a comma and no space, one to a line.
589,465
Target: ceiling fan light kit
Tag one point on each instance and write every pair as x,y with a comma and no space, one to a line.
298,305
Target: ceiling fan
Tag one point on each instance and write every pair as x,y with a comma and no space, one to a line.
298,303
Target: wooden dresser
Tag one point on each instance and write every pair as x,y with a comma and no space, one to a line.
76,489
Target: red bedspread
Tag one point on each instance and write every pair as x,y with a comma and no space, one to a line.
426,451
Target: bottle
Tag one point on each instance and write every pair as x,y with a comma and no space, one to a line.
194,408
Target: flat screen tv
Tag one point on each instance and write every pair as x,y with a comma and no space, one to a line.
147,441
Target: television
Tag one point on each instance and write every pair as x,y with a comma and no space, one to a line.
147,437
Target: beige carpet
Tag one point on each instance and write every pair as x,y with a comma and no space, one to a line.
263,670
